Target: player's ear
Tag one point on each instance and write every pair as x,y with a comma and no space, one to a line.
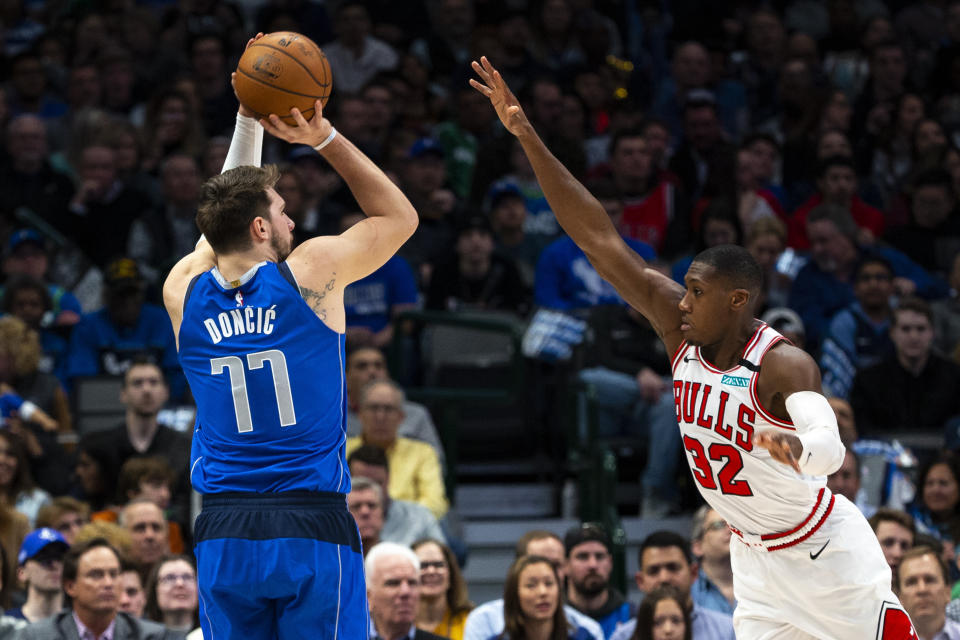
739,298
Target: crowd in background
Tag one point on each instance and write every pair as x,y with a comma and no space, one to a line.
822,135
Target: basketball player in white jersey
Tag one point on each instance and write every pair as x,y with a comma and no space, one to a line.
759,435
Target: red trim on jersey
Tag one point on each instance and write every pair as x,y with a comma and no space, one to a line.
808,533
783,534
746,347
763,327
766,415
676,356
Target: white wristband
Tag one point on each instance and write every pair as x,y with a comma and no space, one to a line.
333,134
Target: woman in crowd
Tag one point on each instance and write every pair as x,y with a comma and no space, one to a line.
663,615
96,477
532,607
936,509
16,482
172,594
443,592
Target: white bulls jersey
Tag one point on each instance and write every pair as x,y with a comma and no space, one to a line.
719,412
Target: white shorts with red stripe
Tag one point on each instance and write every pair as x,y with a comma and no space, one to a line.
827,582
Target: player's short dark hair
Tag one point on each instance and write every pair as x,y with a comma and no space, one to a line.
230,201
530,536
71,559
918,552
369,454
837,160
886,514
917,305
663,540
734,263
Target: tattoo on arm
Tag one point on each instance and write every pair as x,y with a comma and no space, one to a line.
314,298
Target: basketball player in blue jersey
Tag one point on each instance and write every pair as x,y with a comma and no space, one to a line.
260,331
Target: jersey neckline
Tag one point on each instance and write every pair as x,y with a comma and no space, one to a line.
242,280
758,330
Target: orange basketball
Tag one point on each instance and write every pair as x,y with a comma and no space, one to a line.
283,70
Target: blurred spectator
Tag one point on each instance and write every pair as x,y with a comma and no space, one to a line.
766,240
767,161
117,77
718,225
96,472
444,603
17,488
533,604
836,185
144,393
150,478
873,110
65,515
30,92
365,502
787,323
664,614
824,285
118,537
487,620
402,521
320,209
414,467
27,178
40,571
858,336
914,390
355,55
106,342
172,127
147,527
848,69
471,122
895,531
475,277
760,67
846,424
713,588
133,598
946,315
923,585
508,214
28,256
887,156
90,574
554,43
209,63
162,236
373,302
845,481
653,207
172,594
589,552
365,364
936,508
932,237
665,559
704,157
393,591
540,220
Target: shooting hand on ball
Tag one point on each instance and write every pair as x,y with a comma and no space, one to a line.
309,133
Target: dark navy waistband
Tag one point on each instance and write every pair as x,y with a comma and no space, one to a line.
292,499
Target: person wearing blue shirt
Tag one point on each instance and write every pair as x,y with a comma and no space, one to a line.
28,298
105,342
260,328
589,552
27,256
713,588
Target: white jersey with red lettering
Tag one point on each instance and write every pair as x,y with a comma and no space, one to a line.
719,413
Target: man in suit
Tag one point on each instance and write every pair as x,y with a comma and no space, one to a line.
91,572
393,591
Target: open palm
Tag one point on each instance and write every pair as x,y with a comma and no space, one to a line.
504,102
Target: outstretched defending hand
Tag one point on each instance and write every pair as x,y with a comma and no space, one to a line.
310,133
503,100
783,447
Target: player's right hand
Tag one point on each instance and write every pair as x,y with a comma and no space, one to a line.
504,102
309,133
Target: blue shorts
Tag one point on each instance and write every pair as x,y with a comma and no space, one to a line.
283,565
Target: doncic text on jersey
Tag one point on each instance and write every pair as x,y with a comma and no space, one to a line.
238,322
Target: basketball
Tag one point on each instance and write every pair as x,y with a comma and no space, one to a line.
283,70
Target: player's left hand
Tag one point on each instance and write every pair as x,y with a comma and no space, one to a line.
783,447
243,109
309,133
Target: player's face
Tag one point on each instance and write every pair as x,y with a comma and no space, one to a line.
845,481
434,571
664,565
668,623
923,592
148,531
552,550
538,591
895,540
367,511
589,567
97,587
394,591
281,236
940,490
705,307
133,599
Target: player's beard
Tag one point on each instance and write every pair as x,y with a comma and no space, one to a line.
281,247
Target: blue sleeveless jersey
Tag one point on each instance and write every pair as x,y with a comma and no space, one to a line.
267,377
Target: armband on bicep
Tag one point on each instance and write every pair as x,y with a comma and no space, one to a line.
816,425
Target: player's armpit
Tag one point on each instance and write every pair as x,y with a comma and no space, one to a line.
175,286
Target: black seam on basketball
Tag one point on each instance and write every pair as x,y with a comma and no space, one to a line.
284,89
305,68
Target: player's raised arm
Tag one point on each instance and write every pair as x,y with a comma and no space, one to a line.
789,386
391,219
584,218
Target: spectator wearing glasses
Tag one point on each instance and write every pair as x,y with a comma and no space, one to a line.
41,570
414,466
713,588
444,603
172,594
589,565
